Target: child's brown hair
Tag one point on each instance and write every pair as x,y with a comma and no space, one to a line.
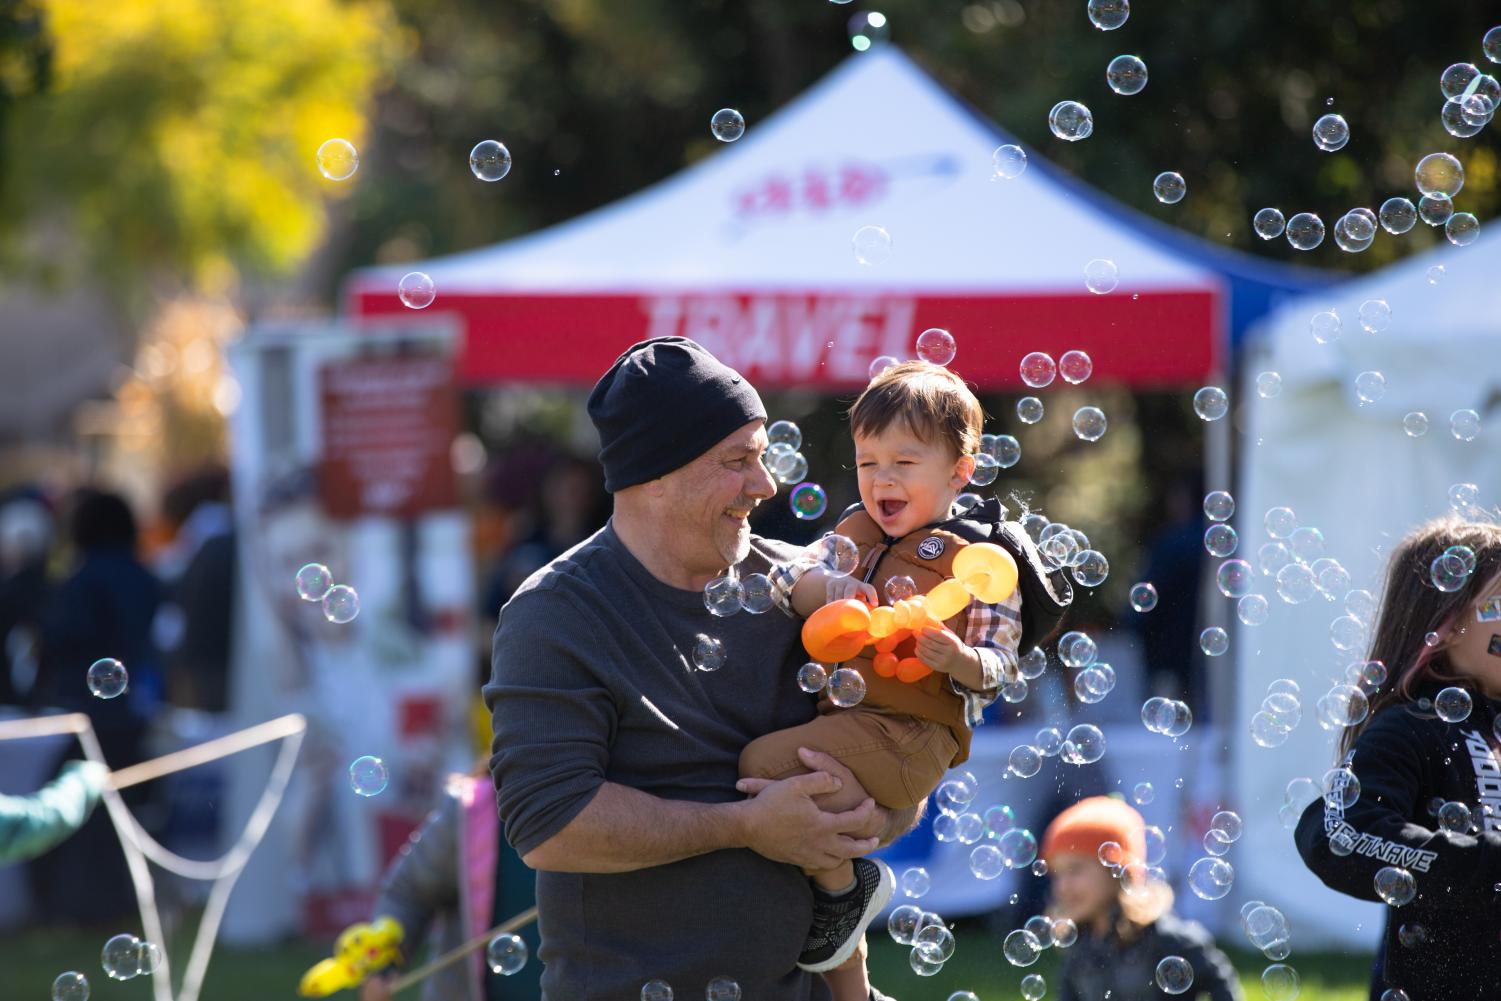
929,399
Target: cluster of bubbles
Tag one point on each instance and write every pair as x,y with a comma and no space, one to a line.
1062,547
1281,711
787,464
368,775
1169,717
997,452
126,957
1038,370
718,989
340,602
107,678
1451,569
1024,946
506,954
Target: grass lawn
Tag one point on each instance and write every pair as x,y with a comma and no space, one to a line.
31,959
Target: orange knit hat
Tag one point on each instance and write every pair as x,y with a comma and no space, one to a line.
1090,823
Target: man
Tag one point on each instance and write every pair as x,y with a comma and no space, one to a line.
616,758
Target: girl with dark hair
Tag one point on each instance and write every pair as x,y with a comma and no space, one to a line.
1412,814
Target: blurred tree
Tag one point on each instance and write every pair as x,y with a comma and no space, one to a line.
174,147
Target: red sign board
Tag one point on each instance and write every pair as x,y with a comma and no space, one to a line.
388,427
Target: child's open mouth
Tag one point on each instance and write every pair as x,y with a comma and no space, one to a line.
891,508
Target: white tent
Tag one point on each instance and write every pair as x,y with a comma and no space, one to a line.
1349,468
750,252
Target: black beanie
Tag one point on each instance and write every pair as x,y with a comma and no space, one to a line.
662,404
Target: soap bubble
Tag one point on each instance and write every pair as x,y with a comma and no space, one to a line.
1211,403
1269,385
656,990
902,923
881,364
1065,933
338,159
1142,794
1021,948
1330,133
1076,649
1398,215
1452,705
1038,369
935,942
416,290
1084,745
148,957
1279,982
1395,886
1439,174
1034,987
368,776
1220,539
1174,975
1253,610
1126,75
708,653
1305,231
1375,316
1462,229
1075,367
341,604
1169,187
872,245
837,554
808,501
121,957
1435,210
1107,15
1018,847
722,989
812,677
1009,161
985,862
867,29
846,687
1325,326
1455,817
1007,451
1268,223
1280,522
1456,79
916,882
1214,641
1024,761
1341,788
1370,386
1090,423
1070,121
1091,568
1029,410
755,594
489,160
1464,425
1101,276
722,596
784,433
506,954
1143,596
107,678
1353,232
1032,663
1491,44
70,986
727,124
1235,578
1211,878
313,582
936,346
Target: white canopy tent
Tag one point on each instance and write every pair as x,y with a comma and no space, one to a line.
1349,468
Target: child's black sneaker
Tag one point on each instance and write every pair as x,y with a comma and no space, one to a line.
839,921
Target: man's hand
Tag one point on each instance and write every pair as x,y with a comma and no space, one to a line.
783,823
944,652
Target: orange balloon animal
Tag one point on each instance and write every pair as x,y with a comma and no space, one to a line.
840,630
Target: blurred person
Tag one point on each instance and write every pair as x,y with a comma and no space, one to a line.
104,608
1096,852
1169,633
32,825
193,627
1412,818
448,883
25,541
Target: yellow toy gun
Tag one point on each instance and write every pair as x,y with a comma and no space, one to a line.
360,950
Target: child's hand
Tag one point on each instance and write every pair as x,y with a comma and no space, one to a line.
940,649
839,588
